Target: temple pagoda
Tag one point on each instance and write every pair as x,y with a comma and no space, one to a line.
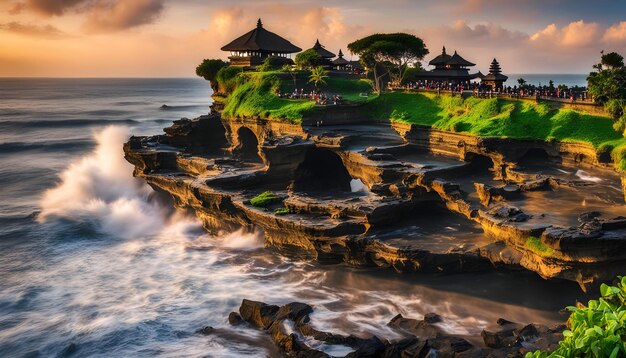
252,48
495,79
449,69
324,53
340,63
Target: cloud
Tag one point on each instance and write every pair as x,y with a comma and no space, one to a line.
47,31
46,7
616,33
575,34
108,16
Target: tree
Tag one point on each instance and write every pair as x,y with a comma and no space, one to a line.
308,59
208,70
318,76
290,70
612,60
522,82
608,83
388,54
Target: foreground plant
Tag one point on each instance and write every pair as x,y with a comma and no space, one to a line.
264,199
597,330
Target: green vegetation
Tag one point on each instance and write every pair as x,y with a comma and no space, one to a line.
318,76
256,96
271,63
597,330
264,199
501,118
608,86
208,70
388,55
307,59
535,245
281,211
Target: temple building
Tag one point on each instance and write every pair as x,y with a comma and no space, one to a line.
340,63
252,48
449,69
495,79
324,53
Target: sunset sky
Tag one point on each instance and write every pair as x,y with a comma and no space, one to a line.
168,38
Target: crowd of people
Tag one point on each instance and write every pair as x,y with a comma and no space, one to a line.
575,93
320,98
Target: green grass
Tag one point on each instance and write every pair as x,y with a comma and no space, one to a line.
281,211
500,118
264,199
535,245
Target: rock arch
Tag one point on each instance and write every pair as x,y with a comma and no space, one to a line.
534,156
480,162
247,145
321,170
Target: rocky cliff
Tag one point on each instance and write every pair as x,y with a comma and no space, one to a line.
397,196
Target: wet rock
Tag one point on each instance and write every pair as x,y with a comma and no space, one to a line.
235,319
206,330
432,318
421,329
509,213
257,313
588,216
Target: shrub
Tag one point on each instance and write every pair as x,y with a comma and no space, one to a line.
264,199
597,330
308,59
271,63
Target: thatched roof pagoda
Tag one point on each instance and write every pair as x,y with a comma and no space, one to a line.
449,69
495,78
324,53
253,47
340,62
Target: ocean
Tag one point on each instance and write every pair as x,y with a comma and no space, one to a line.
544,79
94,264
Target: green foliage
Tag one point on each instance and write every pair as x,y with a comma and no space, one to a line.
264,199
229,78
612,60
281,211
535,245
411,73
308,59
271,63
208,68
256,97
499,118
608,82
318,76
597,330
393,52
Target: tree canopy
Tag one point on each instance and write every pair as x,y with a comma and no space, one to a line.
608,86
308,59
208,68
388,54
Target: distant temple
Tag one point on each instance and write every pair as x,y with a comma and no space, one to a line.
340,63
324,53
449,68
252,48
495,79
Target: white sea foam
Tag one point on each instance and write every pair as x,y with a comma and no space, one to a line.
583,175
357,186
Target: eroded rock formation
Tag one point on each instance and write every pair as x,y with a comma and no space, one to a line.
404,197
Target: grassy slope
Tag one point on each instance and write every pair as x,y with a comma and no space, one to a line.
501,118
254,95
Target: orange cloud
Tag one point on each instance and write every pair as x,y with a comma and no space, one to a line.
47,31
122,14
574,34
616,33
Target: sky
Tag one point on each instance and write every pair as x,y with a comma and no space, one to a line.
168,38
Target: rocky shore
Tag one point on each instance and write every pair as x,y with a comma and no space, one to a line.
293,331
397,196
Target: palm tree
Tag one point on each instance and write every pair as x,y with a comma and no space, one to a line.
521,82
318,76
